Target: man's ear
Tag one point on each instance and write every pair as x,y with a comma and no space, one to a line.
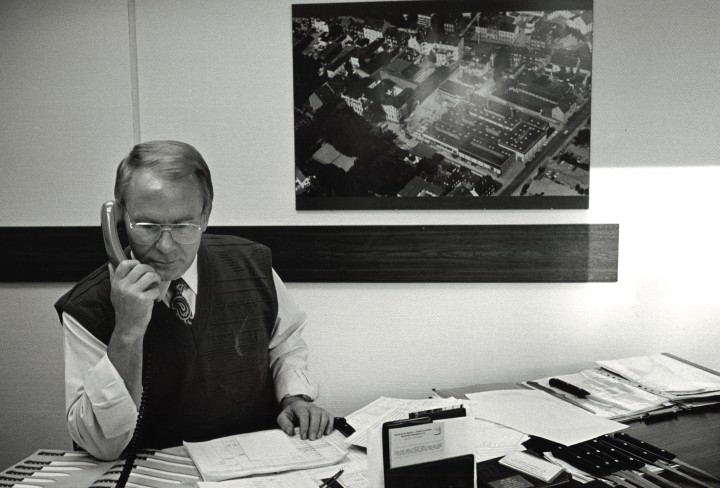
205,218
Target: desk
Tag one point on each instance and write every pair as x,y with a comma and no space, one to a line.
694,435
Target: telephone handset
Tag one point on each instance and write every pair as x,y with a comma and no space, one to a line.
109,217
108,221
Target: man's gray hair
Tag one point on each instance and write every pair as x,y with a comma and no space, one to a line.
167,159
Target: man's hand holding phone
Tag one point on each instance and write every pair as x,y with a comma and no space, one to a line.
133,291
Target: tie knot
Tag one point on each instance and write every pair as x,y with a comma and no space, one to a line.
177,286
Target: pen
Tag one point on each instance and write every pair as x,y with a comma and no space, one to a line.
584,394
659,414
329,482
568,388
562,397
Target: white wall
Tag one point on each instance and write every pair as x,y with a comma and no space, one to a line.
217,75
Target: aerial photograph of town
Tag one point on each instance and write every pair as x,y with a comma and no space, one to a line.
437,105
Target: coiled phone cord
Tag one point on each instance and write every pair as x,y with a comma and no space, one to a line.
132,450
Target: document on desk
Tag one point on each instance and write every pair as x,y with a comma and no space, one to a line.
355,472
354,466
535,412
665,375
387,409
268,451
354,475
491,440
608,396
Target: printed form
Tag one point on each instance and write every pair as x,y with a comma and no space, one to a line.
354,473
269,451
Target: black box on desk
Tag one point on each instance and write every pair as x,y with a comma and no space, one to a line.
421,438
456,472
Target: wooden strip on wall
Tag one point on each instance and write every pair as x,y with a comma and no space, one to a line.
432,253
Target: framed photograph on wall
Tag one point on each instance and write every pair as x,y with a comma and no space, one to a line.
442,104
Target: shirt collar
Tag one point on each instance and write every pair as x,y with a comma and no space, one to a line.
190,276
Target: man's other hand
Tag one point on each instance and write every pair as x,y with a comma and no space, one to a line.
312,421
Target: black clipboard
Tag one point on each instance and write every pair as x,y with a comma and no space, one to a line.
454,472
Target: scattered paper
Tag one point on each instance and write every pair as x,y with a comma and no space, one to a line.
537,413
387,409
491,440
354,466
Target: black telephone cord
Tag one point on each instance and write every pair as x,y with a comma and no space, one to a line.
132,449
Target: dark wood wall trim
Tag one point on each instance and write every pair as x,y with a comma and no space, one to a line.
378,253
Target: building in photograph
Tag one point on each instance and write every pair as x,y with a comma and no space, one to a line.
488,135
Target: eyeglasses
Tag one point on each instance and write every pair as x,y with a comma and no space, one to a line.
182,233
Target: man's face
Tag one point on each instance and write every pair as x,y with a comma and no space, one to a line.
155,200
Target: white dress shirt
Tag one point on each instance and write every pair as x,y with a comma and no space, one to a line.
99,410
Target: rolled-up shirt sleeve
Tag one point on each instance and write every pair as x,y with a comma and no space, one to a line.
99,410
288,350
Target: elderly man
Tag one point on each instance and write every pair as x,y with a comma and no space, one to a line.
215,325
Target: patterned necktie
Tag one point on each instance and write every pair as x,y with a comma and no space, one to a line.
178,303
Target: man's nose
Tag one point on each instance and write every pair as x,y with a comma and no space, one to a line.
166,242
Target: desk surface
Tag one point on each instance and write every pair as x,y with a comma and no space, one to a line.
694,435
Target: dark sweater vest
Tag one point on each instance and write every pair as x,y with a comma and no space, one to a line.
210,379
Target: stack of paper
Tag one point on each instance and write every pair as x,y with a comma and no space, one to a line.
666,376
354,472
608,397
269,451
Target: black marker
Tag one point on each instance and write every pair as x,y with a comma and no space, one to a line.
568,388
